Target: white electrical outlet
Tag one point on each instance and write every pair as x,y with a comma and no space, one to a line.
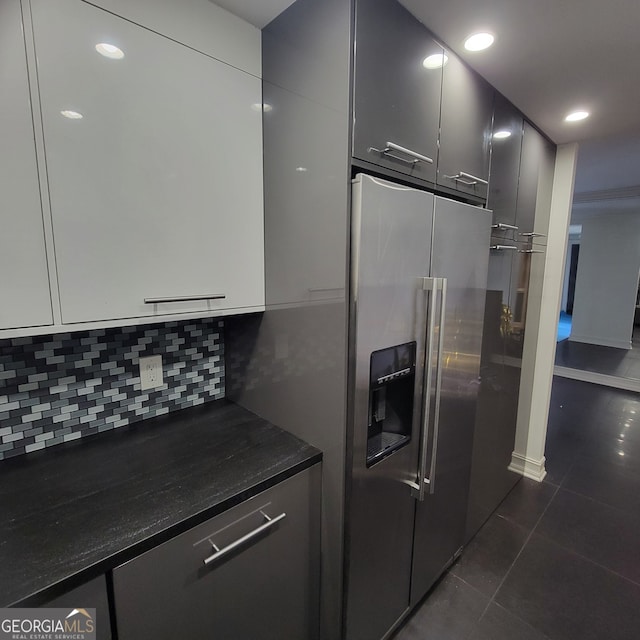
151,372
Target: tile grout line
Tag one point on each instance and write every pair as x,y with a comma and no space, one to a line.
524,544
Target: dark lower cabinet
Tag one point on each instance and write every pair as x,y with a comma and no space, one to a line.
90,595
251,572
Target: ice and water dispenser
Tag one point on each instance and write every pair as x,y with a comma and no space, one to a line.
392,375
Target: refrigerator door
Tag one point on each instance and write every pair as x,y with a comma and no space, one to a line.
460,256
391,246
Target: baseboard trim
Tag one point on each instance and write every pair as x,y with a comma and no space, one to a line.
628,384
528,467
617,344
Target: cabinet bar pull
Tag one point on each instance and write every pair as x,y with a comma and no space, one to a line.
502,247
530,251
270,522
501,226
210,296
392,146
532,234
470,179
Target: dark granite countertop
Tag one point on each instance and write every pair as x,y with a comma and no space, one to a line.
80,509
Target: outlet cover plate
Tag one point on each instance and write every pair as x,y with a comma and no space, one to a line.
151,372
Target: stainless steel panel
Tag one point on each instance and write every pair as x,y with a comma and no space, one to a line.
267,588
465,129
391,245
460,253
396,98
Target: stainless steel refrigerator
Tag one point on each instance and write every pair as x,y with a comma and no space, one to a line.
419,273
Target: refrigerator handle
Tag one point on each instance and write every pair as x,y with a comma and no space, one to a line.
418,488
431,480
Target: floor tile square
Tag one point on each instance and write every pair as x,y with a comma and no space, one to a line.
450,612
498,624
568,597
601,533
490,554
526,502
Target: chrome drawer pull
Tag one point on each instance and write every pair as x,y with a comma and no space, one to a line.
392,146
240,541
502,247
501,226
211,296
470,181
530,251
532,234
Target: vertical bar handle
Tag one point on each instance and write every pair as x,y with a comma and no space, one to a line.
419,486
431,480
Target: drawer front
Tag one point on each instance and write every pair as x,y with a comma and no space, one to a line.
260,581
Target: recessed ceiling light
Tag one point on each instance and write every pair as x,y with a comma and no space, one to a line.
109,51
576,116
502,134
72,115
478,41
435,61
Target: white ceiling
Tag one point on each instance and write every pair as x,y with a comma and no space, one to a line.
549,57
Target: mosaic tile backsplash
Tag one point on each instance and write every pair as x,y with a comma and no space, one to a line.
63,387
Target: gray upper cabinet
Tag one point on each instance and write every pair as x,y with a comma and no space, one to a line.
536,177
505,167
465,130
24,280
397,95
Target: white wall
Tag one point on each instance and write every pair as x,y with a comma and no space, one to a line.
607,280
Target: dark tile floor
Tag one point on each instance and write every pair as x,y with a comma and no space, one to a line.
558,560
623,363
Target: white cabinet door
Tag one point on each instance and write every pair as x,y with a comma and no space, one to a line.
155,178
24,281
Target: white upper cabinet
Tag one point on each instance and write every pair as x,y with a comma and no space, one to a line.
24,280
154,163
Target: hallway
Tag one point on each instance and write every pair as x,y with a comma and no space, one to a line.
559,560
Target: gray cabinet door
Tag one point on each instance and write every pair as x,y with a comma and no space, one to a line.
506,146
265,587
397,97
90,595
496,413
536,176
465,130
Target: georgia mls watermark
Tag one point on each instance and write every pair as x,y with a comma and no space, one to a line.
47,624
